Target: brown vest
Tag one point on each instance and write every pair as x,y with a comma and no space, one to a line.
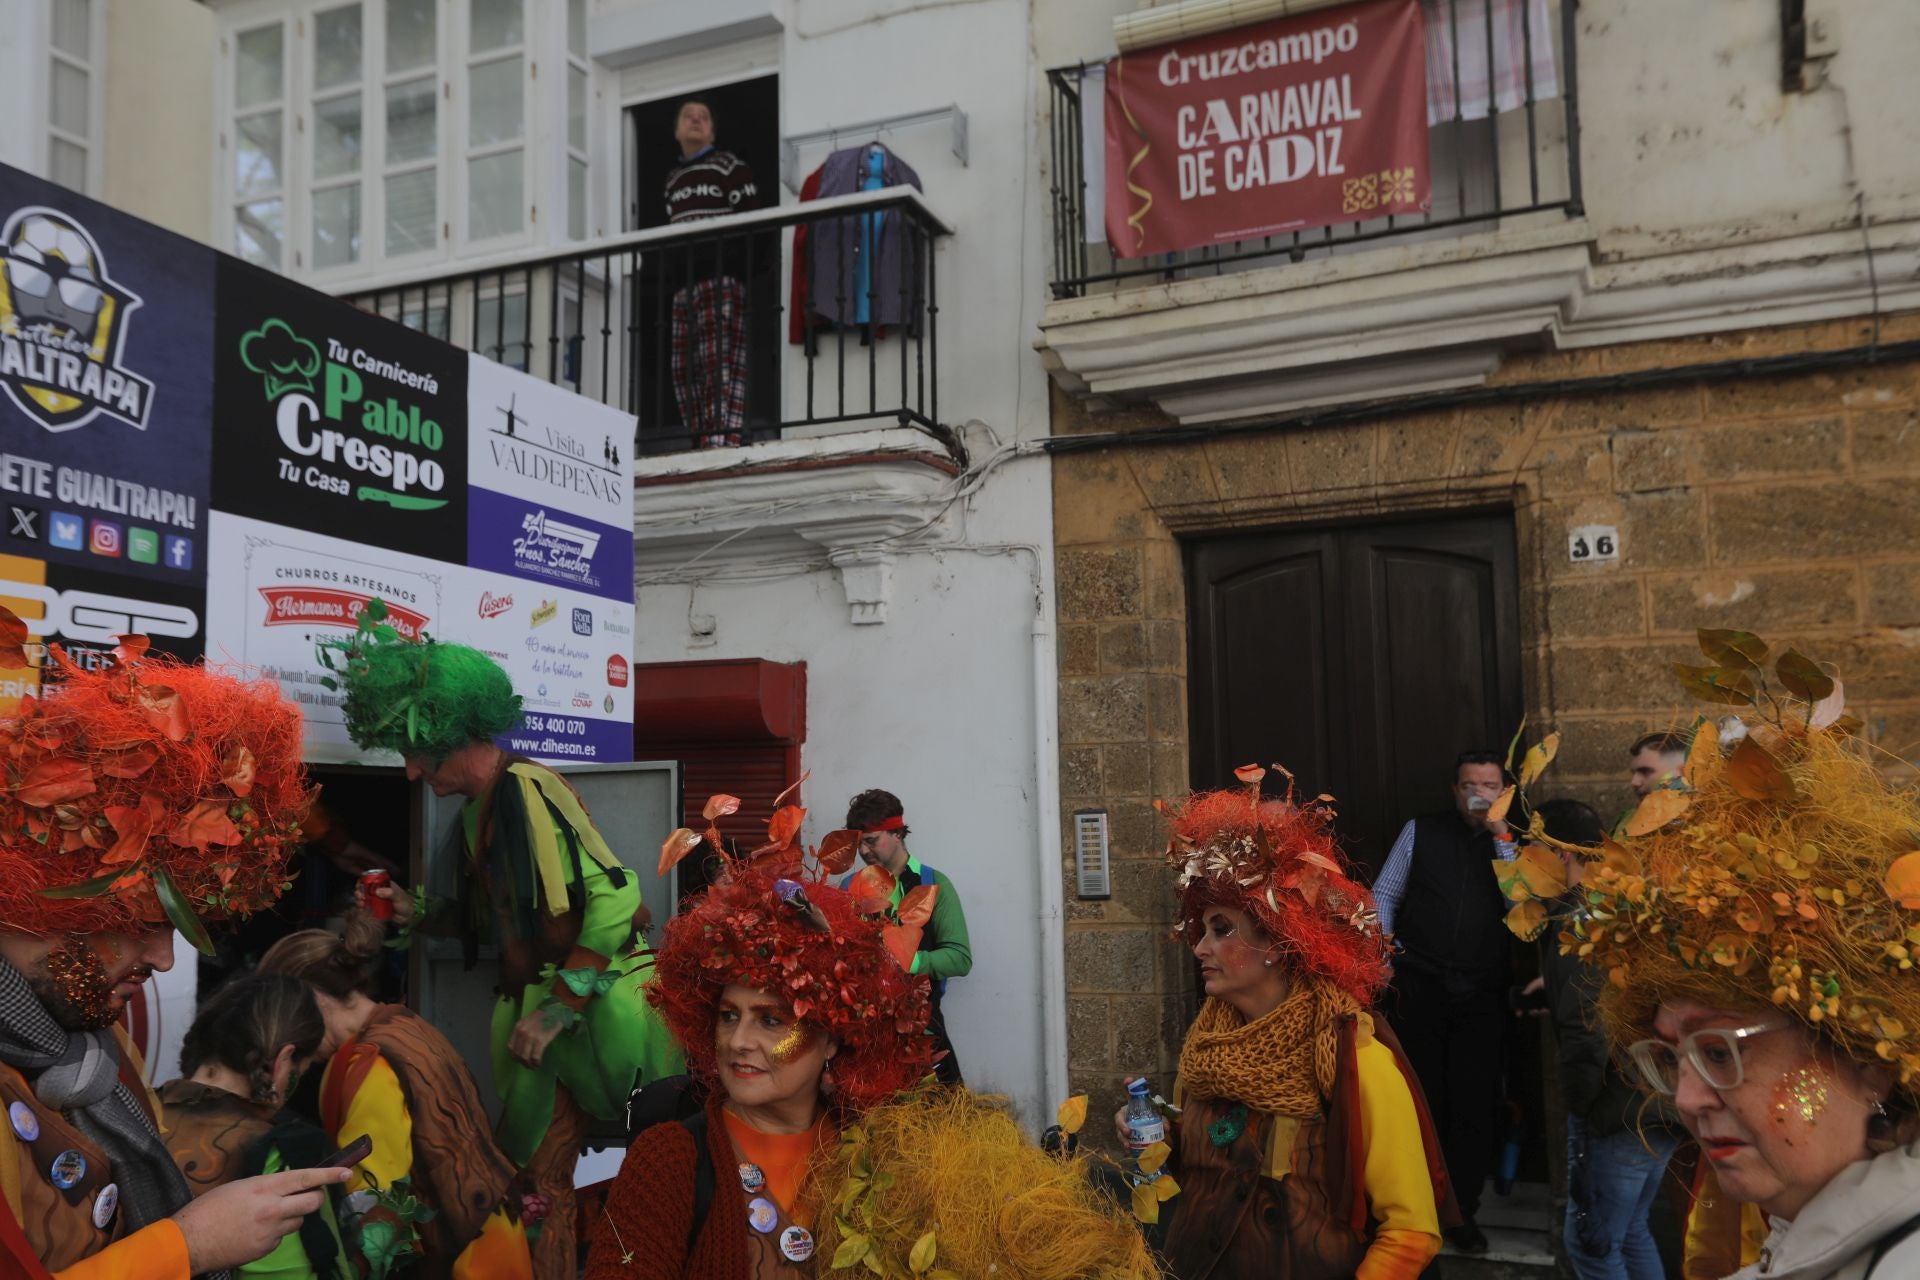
458,1169
209,1132
59,1223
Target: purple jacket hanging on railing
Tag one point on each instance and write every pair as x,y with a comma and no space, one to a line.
830,256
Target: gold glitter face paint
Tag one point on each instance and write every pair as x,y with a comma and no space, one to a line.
1800,1095
798,1040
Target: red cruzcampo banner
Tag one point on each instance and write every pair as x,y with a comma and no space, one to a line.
1292,124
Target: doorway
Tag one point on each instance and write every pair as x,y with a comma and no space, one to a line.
1363,657
746,115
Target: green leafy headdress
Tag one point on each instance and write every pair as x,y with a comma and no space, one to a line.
420,697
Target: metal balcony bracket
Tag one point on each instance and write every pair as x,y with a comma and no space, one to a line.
870,131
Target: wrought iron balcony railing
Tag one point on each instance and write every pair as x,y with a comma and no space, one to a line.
716,333
1503,141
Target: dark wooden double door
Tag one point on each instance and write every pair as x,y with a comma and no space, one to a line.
1364,658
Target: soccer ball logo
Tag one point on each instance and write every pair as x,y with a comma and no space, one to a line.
63,323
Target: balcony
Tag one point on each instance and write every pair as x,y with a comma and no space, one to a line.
705,333
1363,309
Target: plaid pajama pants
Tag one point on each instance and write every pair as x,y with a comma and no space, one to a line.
710,360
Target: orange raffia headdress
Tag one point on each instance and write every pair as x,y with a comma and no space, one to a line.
144,791
1277,861
1779,870
772,922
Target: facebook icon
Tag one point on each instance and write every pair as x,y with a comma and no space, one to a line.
179,552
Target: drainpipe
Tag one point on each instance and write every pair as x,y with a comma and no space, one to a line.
1052,896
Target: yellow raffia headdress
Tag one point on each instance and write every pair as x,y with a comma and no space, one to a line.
1780,869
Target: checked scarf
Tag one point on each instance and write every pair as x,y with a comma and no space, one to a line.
78,1072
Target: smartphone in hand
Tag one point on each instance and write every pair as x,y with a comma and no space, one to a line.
350,1155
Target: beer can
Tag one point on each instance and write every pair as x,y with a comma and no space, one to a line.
381,908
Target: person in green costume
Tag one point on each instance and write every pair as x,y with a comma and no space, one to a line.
572,1032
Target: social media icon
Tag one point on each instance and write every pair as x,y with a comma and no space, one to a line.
66,531
104,538
179,552
24,523
143,546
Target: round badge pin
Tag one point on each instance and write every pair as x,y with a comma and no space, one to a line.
751,1178
796,1244
104,1205
67,1170
26,1125
762,1216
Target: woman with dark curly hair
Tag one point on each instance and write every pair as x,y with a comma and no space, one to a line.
1303,1146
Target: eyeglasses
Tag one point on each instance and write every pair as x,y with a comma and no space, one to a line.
1713,1053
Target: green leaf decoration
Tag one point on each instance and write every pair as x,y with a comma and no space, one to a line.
1514,746
921,1258
86,888
382,1246
1803,676
853,1249
1736,649
374,612
1731,686
180,912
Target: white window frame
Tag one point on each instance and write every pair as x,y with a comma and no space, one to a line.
312,98
228,197
465,152
92,68
439,162
576,61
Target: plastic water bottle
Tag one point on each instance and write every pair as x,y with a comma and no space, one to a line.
1145,1125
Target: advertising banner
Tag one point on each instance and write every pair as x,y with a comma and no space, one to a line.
335,420
233,463
106,395
1262,130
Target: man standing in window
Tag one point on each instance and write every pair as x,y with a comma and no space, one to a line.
709,312
945,951
1439,901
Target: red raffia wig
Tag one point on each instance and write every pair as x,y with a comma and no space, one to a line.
1277,861
831,967
171,776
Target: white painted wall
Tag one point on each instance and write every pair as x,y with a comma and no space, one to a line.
158,141
938,703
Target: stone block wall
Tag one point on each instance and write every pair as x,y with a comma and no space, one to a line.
1786,505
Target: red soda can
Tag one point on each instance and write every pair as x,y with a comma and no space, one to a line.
381,908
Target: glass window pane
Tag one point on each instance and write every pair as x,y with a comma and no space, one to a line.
412,219
68,165
436,319
411,109
493,110
257,69
256,154
502,337
258,228
69,94
493,196
576,198
336,47
410,33
72,28
336,137
336,226
576,108
494,24
577,28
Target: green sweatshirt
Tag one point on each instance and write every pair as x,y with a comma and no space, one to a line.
946,952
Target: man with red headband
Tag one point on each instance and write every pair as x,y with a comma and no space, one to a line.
945,951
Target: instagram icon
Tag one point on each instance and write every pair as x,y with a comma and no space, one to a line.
103,538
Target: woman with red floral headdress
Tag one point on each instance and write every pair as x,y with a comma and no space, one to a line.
1302,1147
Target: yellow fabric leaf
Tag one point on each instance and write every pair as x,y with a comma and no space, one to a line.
1541,871
1153,1157
1146,1203
1703,755
851,1250
1073,1113
1538,757
1498,813
1167,1188
1756,775
1903,880
921,1257
1527,920
1657,810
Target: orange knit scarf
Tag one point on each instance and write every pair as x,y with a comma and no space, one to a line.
1283,1063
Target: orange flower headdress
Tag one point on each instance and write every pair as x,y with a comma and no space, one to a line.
144,791
773,923
1277,861
1779,869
